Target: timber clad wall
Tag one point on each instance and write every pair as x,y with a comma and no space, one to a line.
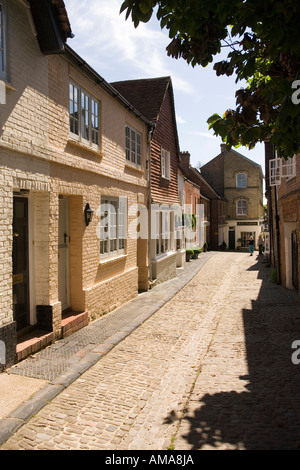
163,190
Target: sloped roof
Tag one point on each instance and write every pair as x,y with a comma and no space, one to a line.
52,24
65,26
145,94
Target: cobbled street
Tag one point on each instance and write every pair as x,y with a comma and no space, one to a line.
211,369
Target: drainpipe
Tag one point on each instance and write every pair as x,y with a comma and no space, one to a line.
277,238
150,135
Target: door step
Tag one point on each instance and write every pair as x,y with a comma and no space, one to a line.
32,343
72,322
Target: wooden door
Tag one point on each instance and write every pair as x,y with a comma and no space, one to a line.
20,263
63,254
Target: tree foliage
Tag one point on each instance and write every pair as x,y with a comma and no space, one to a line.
263,49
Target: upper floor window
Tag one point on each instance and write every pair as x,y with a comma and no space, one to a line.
84,115
2,41
133,145
241,180
242,207
165,164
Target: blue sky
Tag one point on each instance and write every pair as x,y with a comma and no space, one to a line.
118,51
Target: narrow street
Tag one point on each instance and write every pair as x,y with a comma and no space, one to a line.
211,369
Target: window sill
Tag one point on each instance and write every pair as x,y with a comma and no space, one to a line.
8,86
164,255
84,146
132,166
112,259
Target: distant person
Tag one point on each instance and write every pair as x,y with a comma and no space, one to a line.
251,246
260,245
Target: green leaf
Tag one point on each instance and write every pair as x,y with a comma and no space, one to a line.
213,118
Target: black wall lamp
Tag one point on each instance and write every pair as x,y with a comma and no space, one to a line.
88,214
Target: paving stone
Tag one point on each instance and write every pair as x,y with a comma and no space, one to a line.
210,369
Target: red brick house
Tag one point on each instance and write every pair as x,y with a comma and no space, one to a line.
283,196
154,98
214,203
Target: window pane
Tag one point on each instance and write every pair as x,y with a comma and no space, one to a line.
73,108
241,180
242,207
163,163
95,122
84,116
132,145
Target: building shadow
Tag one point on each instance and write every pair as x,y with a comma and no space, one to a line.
265,415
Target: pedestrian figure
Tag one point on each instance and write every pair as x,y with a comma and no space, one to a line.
260,245
251,246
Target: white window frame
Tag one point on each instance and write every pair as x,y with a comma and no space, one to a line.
239,211
165,232
244,180
280,168
133,145
113,226
84,127
3,23
245,236
165,164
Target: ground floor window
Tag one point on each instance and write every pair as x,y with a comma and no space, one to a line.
164,226
113,226
245,236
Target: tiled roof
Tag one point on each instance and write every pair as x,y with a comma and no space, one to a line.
52,24
63,18
146,95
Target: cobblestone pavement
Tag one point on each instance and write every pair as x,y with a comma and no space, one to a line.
210,369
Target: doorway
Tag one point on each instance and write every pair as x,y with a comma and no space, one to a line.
63,254
231,239
20,255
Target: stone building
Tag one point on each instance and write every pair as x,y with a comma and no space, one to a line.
71,147
240,181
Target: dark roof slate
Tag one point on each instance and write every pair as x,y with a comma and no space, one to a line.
146,95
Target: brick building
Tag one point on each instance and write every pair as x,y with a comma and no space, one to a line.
239,181
214,219
69,144
283,196
154,98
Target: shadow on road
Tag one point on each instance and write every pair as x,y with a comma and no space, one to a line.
267,415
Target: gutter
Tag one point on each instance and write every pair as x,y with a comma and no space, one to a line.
149,208
71,54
